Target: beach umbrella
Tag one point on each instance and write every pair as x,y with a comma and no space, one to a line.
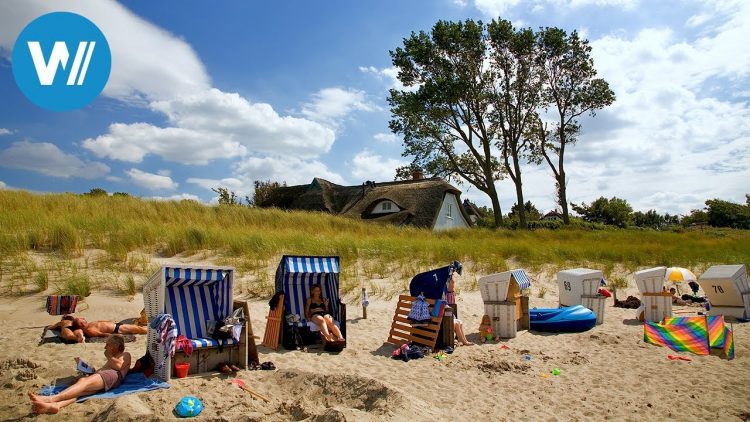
678,274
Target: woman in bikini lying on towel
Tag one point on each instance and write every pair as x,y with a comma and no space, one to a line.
106,378
316,310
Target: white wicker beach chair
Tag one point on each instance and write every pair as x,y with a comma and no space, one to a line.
194,295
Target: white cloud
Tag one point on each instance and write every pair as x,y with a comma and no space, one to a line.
47,158
367,165
460,3
388,138
148,62
389,75
330,105
4,131
150,180
178,197
212,125
500,8
271,168
3,186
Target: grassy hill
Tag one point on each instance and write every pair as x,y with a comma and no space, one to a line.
65,225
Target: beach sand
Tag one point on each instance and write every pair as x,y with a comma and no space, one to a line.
607,373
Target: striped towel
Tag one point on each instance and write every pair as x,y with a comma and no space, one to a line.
166,335
61,305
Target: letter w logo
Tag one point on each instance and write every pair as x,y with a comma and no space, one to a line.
46,71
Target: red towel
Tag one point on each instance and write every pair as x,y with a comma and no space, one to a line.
61,305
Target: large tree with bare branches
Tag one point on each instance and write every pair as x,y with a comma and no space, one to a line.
444,115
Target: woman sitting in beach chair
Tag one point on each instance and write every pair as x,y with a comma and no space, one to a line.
316,311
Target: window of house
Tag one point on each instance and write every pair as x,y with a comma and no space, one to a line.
386,206
450,211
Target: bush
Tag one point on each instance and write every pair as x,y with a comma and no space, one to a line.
65,239
41,280
77,284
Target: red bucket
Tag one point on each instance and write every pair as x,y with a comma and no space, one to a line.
182,369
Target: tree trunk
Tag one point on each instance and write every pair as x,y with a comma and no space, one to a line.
562,193
519,195
498,213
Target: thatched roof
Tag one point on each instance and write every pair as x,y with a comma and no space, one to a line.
419,201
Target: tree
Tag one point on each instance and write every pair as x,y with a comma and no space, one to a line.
263,191
532,213
227,197
122,194
728,214
650,218
96,192
697,217
572,90
614,211
444,116
518,83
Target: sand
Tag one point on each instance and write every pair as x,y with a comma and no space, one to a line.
607,373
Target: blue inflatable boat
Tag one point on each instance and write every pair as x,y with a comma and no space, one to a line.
572,319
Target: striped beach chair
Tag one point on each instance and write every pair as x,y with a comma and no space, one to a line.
296,275
196,297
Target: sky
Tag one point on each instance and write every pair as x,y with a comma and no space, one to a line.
203,95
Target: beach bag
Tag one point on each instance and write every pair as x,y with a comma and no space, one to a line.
419,310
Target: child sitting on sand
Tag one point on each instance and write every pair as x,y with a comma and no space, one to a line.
106,378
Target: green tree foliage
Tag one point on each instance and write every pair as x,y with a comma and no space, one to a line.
262,191
517,96
96,192
696,217
532,213
613,212
445,114
728,214
654,220
571,89
121,194
227,197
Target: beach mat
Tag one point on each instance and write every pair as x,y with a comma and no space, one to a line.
133,383
53,336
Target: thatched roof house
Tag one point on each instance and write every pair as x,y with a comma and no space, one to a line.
430,203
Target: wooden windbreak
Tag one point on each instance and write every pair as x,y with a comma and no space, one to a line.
273,325
402,330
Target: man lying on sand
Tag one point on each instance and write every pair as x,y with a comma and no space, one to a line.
73,328
106,378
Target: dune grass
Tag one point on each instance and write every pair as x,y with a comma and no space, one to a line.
67,224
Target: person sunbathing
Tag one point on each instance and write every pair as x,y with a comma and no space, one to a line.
69,331
109,376
105,328
316,311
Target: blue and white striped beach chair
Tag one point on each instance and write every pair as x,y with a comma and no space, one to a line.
296,275
195,297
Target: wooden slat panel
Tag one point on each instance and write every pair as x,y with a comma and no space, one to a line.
402,331
273,325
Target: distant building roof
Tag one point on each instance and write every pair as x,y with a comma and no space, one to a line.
418,201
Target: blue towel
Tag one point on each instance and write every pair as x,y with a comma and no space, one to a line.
133,383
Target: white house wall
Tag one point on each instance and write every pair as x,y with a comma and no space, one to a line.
455,219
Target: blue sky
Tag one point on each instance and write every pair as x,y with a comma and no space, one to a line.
223,94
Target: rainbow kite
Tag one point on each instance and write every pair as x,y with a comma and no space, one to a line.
697,334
